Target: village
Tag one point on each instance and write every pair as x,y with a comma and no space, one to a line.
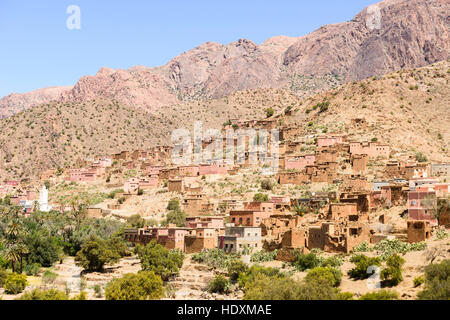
332,199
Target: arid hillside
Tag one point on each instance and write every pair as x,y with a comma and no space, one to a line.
57,134
405,34
409,110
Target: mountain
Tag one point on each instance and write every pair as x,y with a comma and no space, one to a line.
407,109
412,33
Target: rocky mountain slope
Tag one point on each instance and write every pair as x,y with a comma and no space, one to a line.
411,33
407,109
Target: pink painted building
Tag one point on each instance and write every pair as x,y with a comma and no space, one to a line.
422,205
85,175
205,222
300,163
331,140
153,170
372,149
189,171
149,182
131,186
219,168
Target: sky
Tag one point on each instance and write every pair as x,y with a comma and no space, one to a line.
39,50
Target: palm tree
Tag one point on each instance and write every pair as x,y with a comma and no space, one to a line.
12,254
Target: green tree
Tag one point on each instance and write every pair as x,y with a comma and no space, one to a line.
362,264
176,217
141,286
329,275
269,112
235,268
219,284
437,282
173,205
260,197
392,274
154,257
94,254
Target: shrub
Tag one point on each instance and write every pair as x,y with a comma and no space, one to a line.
219,284
215,258
255,271
94,254
329,275
38,294
176,217
15,283
269,112
164,263
136,221
362,264
49,277
380,295
32,269
420,157
392,274
418,281
3,276
173,204
307,261
264,256
235,268
437,282
98,291
267,184
260,197
81,296
141,286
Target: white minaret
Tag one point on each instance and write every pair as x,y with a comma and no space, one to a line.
43,200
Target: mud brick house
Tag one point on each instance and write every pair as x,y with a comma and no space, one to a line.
47,174
293,177
326,155
131,186
218,168
343,211
249,218
440,170
355,183
362,200
293,147
200,239
215,222
338,236
281,231
85,175
170,237
417,182
189,171
153,170
197,204
422,205
299,163
168,173
359,162
97,212
372,149
282,204
149,182
322,173
237,239
175,185
418,230
316,203
330,140
124,155
138,155
227,205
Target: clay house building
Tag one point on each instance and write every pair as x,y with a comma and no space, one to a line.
200,239
299,163
330,140
356,183
131,186
422,205
237,239
248,217
359,163
282,204
326,155
85,175
130,165
338,237
149,182
197,204
47,174
217,168
168,173
189,171
293,177
418,231
170,237
213,222
417,182
372,149
362,200
227,205
124,155
153,170
440,170
94,212
175,185
343,211
281,231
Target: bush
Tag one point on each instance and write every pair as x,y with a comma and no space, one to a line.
94,254
420,157
136,221
362,264
235,268
215,258
174,204
418,281
82,296
176,217
3,276
219,284
141,286
392,274
380,295
269,112
38,294
98,291
437,282
164,263
15,283
32,269
255,271
267,184
329,275
264,256
260,197
307,261
49,277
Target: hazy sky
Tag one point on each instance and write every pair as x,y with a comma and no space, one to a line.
38,50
